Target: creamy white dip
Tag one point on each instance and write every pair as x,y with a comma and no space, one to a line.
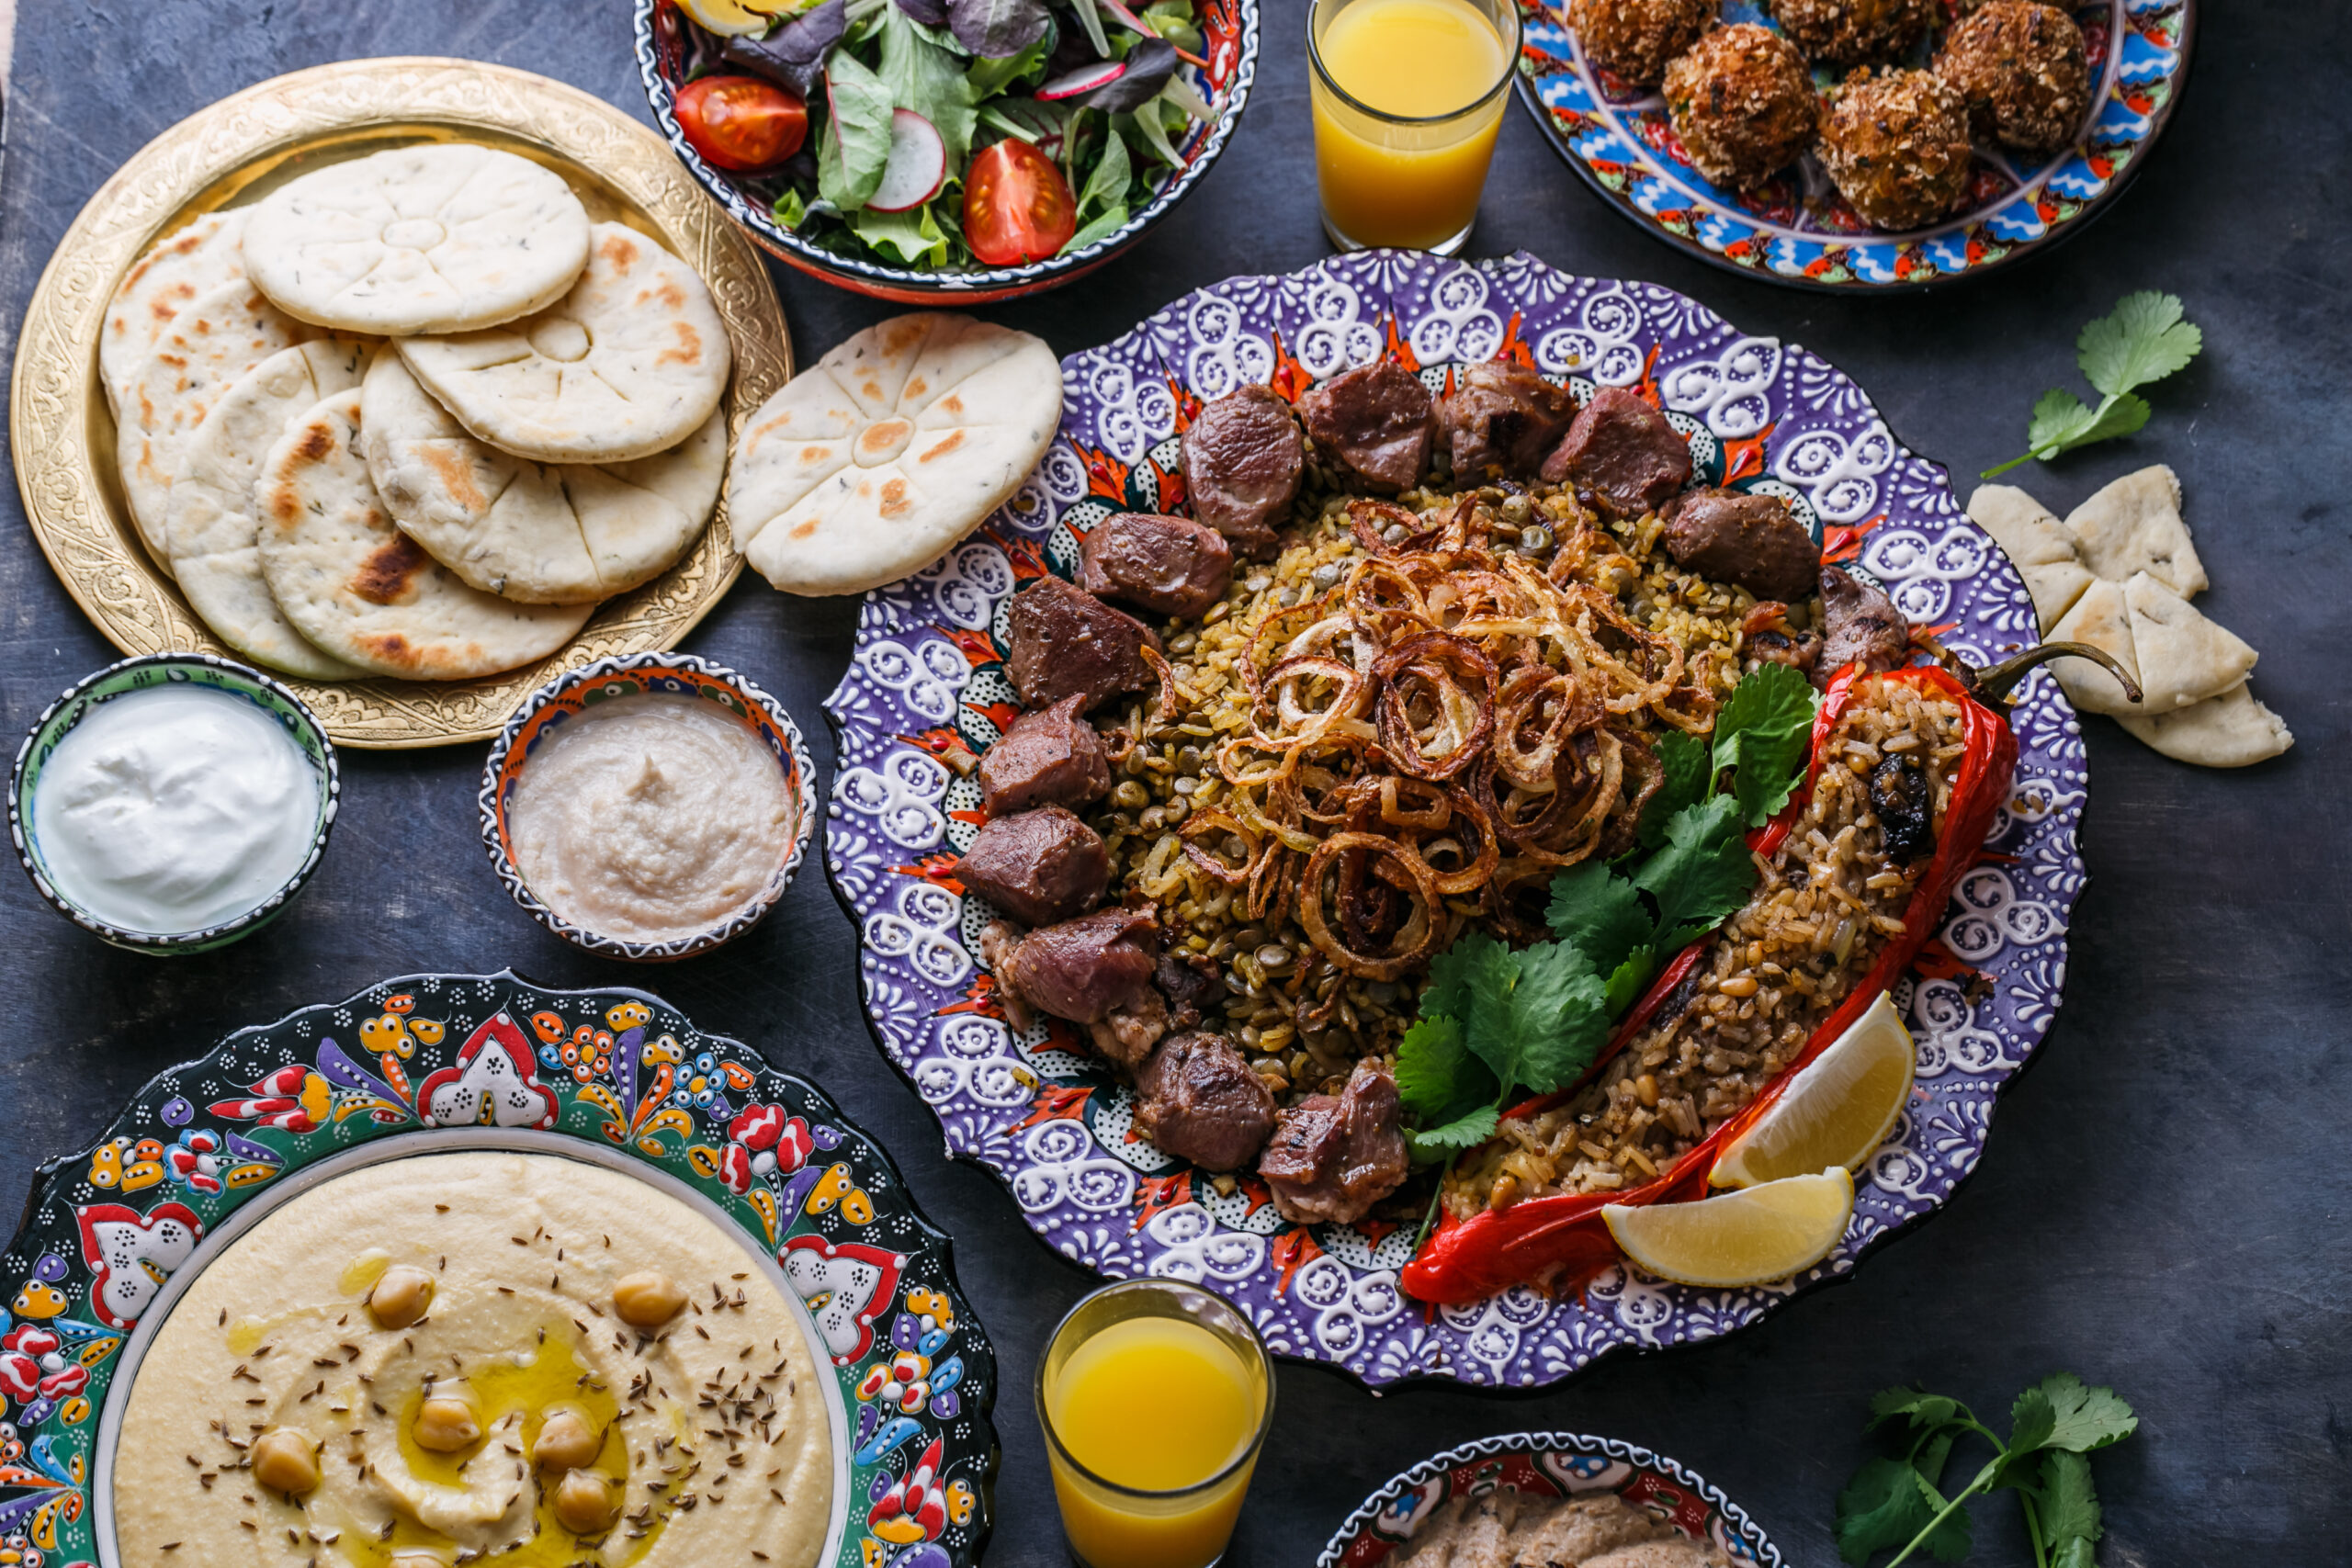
649,817
173,809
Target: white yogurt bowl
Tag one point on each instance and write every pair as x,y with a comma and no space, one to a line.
129,681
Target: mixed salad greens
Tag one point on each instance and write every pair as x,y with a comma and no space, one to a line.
942,134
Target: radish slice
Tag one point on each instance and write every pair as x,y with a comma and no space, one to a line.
1083,80
918,164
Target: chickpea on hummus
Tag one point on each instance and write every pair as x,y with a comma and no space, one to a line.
454,1358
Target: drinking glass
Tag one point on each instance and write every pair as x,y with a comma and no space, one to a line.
1411,180
1114,1526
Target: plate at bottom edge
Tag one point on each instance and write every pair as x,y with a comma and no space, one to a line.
612,1077
1548,1464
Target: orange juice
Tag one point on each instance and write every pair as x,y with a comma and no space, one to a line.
1169,1414
1408,97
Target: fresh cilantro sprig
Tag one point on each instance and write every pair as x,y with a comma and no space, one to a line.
1498,1023
1894,1503
2143,340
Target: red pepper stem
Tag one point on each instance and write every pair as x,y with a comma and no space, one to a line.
1993,684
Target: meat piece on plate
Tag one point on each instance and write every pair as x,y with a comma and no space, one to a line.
1502,416
1859,626
1769,636
1065,642
1243,458
1037,867
1752,540
1125,1036
1192,984
1375,422
1622,450
1082,969
1333,1156
1171,565
1046,757
1198,1100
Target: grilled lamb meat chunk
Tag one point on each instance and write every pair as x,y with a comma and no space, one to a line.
1501,416
1082,969
1171,565
1198,1100
1769,636
1376,421
1046,757
1753,540
1859,626
1037,867
1125,1037
1065,642
1333,1156
1190,983
1622,450
1243,459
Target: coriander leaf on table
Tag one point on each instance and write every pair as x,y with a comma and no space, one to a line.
1599,911
1881,1508
1922,1409
2144,339
2085,1419
2074,1552
1703,873
1688,769
2063,1501
1951,1534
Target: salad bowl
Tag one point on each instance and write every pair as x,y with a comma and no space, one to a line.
670,50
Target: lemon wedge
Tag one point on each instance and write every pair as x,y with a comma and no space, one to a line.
1839,1110
1750,1238
727,17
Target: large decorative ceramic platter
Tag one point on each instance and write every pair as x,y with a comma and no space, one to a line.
1547,1465
236,152
927,679
1797,228
433,1064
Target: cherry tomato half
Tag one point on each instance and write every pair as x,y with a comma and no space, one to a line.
741,122
1017,207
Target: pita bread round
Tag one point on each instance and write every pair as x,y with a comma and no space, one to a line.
220,336
440,238
2101,618
2184,657
564,533
630,363
214,530
875,461
363,590
2134,526
2232,730
2037,544
197,258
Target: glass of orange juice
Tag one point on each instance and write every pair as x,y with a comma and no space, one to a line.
1155,1395
1407,97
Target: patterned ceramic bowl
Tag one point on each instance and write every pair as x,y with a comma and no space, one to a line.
144,674
677,674
1231,29
1548,1464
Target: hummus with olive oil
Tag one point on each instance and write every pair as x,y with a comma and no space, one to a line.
558,1332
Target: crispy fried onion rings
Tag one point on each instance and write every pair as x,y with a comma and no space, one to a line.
1432,738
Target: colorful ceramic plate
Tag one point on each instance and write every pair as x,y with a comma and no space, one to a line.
236,152
1797,229
926,681
1547,1464
612,1078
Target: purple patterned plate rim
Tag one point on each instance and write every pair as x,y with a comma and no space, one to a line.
925,680
1569,1462
1665,198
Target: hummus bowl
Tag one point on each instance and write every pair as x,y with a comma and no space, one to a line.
466,1199
699,837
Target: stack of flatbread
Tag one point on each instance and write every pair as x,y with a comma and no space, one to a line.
413,414
2118,574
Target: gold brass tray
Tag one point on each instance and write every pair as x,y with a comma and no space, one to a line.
235,153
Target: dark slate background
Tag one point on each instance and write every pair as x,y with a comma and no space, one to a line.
2162,1204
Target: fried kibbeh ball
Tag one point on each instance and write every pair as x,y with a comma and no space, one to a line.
2022,69
1896,146
1743,104
1634,38
1854,32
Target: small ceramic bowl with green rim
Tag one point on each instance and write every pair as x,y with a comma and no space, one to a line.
615,846
153,806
